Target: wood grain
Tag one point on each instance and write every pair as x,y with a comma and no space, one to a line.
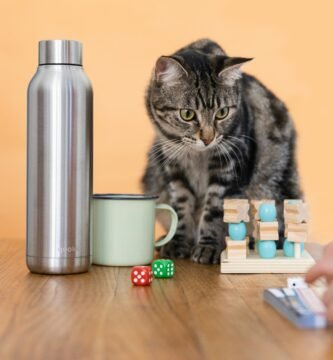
199,314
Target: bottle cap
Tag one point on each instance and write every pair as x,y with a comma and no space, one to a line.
60,52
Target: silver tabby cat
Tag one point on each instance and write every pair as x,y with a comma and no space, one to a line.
219,133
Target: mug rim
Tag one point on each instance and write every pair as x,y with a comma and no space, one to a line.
125,196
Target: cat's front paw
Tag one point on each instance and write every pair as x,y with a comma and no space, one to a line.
176,249
206,254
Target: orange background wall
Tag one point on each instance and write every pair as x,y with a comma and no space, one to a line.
290,40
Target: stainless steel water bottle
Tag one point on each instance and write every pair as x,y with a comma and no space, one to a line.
59,161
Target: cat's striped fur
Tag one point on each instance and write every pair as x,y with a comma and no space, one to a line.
193,165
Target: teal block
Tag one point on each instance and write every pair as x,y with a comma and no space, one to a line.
289,248
237,231
163,268
267,212
267,249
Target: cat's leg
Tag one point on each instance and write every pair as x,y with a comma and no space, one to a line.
211,234
183,201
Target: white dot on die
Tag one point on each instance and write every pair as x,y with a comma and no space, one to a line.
142,272
155,265
142,280
161,266
135,280
135,272
139,276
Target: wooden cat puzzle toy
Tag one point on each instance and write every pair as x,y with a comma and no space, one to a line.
261,219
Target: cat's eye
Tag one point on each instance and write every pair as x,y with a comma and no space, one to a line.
222,113
187,114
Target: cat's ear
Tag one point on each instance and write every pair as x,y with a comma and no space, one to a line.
230,69
169,70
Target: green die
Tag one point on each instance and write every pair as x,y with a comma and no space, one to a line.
163,268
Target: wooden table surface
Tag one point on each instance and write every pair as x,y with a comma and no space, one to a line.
198,314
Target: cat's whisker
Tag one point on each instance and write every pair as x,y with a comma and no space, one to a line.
225,153
231,164
160,147
168,150
165,141
232,147
177,153
232,144
243,136
166,155
220,159
156,155
238,148
248,137
237,158
164,152
183,154
168,161
172,156
187,151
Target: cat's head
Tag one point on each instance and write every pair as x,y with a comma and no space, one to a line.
194,97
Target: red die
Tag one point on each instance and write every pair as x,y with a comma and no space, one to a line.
141,275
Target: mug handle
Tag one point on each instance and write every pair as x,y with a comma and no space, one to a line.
173,226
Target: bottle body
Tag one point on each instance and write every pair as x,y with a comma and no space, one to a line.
59,170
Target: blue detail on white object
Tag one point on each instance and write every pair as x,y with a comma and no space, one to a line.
237,231
267,249
289,248
267,212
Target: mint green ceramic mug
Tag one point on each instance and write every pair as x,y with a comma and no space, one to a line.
123,228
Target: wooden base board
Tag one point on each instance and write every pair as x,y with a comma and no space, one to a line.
254,264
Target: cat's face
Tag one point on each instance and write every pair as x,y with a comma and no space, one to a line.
195,102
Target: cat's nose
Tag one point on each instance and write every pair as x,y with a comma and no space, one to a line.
206,141
207,136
